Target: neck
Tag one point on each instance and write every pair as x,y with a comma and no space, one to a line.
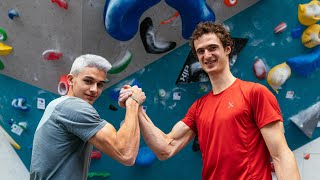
221,81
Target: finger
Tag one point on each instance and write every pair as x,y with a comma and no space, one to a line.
122,99
123,91
126,86
122,96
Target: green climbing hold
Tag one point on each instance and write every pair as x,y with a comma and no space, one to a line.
3,35
1,65
98,174
121,64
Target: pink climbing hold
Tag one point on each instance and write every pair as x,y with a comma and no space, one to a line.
259,69
61,3
51,55
306,156
96,154
280,28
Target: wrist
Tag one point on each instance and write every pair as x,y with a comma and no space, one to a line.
134,99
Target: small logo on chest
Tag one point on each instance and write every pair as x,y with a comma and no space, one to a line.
230,104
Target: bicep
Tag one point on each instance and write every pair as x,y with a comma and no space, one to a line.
179,137
105,141
273,135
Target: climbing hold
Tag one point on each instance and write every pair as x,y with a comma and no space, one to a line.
61,3
96,154
310,36
280,28
150,43
113,108
98,174
5,49
10,139
278,75
162,93
63,85
230,3
259,69
121,64
12,13
192,13
296,32
307,119
1,65
3,35
20,103
121,17
167,21
23,125
145,156
308,14
305,64
306,156
51,54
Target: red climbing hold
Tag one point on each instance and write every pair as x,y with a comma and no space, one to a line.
259,69
96,154
61,3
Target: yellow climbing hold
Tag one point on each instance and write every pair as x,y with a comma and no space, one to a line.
308,14
278,75
5,49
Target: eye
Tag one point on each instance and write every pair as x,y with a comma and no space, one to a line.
200,51
100,85
87,81
211,48
230,3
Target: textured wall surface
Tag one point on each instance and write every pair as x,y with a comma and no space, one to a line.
78,30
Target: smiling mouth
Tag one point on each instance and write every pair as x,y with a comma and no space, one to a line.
90,96
210,62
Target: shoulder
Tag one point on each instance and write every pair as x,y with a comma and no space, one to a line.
203,98
74,104
252,87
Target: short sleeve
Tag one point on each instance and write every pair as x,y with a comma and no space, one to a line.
80,118
190,117
264,105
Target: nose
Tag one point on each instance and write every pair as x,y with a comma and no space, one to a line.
94,87
206,54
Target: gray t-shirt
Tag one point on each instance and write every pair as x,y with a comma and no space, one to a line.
60,146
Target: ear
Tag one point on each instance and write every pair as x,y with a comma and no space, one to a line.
228,50
70,79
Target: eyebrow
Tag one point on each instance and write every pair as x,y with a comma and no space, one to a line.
210,45
89,77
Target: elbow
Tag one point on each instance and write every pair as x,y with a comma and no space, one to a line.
129,159
129,162
164,155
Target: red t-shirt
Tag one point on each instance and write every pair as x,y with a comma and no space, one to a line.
228,127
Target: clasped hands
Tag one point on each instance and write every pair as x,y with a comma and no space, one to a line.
133,92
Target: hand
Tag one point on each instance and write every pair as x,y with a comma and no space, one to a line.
124,94
137,95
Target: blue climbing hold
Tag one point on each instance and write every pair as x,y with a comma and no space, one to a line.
192,13
12,13
145,156
305,64
121,17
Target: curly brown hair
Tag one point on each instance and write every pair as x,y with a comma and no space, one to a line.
211,27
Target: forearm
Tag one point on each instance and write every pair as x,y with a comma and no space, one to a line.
286,167
154,137
128,136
